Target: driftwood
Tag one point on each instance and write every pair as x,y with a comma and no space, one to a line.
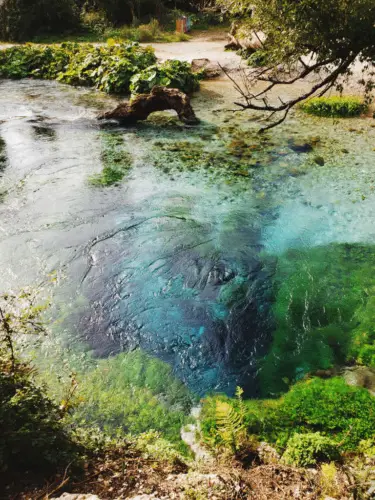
160,99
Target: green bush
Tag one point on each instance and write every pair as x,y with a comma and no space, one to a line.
341,412
95,22
259,58
338,107
21,20
33,434
173,74
108,68
305,450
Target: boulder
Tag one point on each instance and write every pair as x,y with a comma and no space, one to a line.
211,69
159,99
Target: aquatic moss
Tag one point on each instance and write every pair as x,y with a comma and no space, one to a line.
3,157
338,107
133,393
177,157
323,311
116,161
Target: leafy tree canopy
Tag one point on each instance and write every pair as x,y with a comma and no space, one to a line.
307,37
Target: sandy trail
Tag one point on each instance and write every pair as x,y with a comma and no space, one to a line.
202,45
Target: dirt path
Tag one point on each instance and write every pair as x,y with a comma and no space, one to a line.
208,45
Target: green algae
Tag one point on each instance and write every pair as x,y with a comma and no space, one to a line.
116,161
3,156
177,157
323,311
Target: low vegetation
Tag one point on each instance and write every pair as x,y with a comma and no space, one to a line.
112,68
173,74
335,106
331,416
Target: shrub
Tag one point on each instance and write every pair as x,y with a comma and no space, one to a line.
258,59
339,107
33,435
95,21
305,450
173,74
341,412
108,68
21,19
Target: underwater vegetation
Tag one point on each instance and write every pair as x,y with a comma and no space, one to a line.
116,160
324,311
3,157
132,393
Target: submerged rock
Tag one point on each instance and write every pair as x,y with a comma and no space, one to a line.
159,99
319,160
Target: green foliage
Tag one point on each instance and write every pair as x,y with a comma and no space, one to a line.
151,32
341,412
154,446
306,450
116,160
20,20
259,58
329,480
338,107
230,422
367,448
323,311
133,393
33,434
3,156
108,68
332,30
95,22
171,73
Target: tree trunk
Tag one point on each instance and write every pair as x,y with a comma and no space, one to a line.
160,99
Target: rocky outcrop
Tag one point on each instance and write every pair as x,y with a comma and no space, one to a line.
159,99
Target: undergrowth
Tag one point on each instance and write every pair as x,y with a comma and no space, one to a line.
109,67
335,106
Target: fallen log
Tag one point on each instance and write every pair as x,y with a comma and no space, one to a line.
159,99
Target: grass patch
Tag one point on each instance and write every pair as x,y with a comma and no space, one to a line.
335,107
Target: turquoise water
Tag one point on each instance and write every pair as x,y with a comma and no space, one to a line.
179,258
